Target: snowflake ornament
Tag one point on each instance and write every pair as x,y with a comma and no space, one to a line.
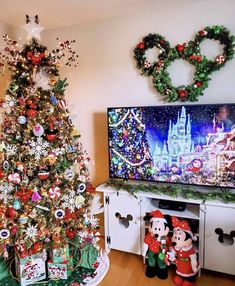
91,221
9,104
59,151
5,191
11,150
31,231
72,201
38,148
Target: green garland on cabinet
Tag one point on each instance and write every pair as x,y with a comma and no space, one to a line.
173,190
189,52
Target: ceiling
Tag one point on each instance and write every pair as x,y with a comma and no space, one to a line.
59,13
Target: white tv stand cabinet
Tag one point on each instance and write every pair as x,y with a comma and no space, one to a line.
125,226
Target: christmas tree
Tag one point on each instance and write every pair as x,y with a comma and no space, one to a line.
44,186
129,148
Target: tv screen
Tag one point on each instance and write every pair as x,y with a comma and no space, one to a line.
189,144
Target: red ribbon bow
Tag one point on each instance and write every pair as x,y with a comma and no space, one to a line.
182,224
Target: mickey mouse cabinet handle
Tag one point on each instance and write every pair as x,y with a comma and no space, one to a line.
225,238
124,221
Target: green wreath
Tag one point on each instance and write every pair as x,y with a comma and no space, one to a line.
189,52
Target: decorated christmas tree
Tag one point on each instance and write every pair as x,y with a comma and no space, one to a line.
45,191
129,148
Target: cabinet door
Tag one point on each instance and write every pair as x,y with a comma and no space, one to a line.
219,242
124,222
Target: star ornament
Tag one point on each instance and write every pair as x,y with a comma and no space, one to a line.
33,30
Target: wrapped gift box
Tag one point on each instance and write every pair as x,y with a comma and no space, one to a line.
60,255
60,270
30,269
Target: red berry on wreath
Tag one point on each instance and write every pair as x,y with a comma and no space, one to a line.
181,47
140,45
202,33
198,84
199,59
161,42
220,59
182,94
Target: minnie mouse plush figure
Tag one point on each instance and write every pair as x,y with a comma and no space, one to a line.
184,254
156,245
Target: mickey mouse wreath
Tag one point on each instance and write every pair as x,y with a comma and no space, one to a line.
189,52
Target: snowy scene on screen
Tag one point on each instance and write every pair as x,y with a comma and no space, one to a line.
191,144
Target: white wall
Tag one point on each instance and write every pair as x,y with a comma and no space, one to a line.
107,75
4,75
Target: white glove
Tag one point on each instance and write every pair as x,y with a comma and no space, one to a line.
194,263
171,254
145,249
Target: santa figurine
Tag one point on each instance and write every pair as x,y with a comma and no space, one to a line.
183,253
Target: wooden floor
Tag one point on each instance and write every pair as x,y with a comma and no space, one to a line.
128,270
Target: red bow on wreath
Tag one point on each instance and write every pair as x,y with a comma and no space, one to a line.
35,57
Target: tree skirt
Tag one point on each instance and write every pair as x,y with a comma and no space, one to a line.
100,272
79,277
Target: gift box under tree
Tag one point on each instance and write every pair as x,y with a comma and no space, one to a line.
60,270
60,254
30,269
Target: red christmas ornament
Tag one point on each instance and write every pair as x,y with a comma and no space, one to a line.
140,45
35,57
51,133
51,137
161,42
32,113
24,195
43,175
10,213
68,216
31,104
21,101
2,174
13,230
63,103
71,233
182,94
90,189
181,47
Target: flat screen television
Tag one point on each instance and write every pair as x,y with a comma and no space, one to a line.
188,144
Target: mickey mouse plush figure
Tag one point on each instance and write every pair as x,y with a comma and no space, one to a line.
184,254
156,244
